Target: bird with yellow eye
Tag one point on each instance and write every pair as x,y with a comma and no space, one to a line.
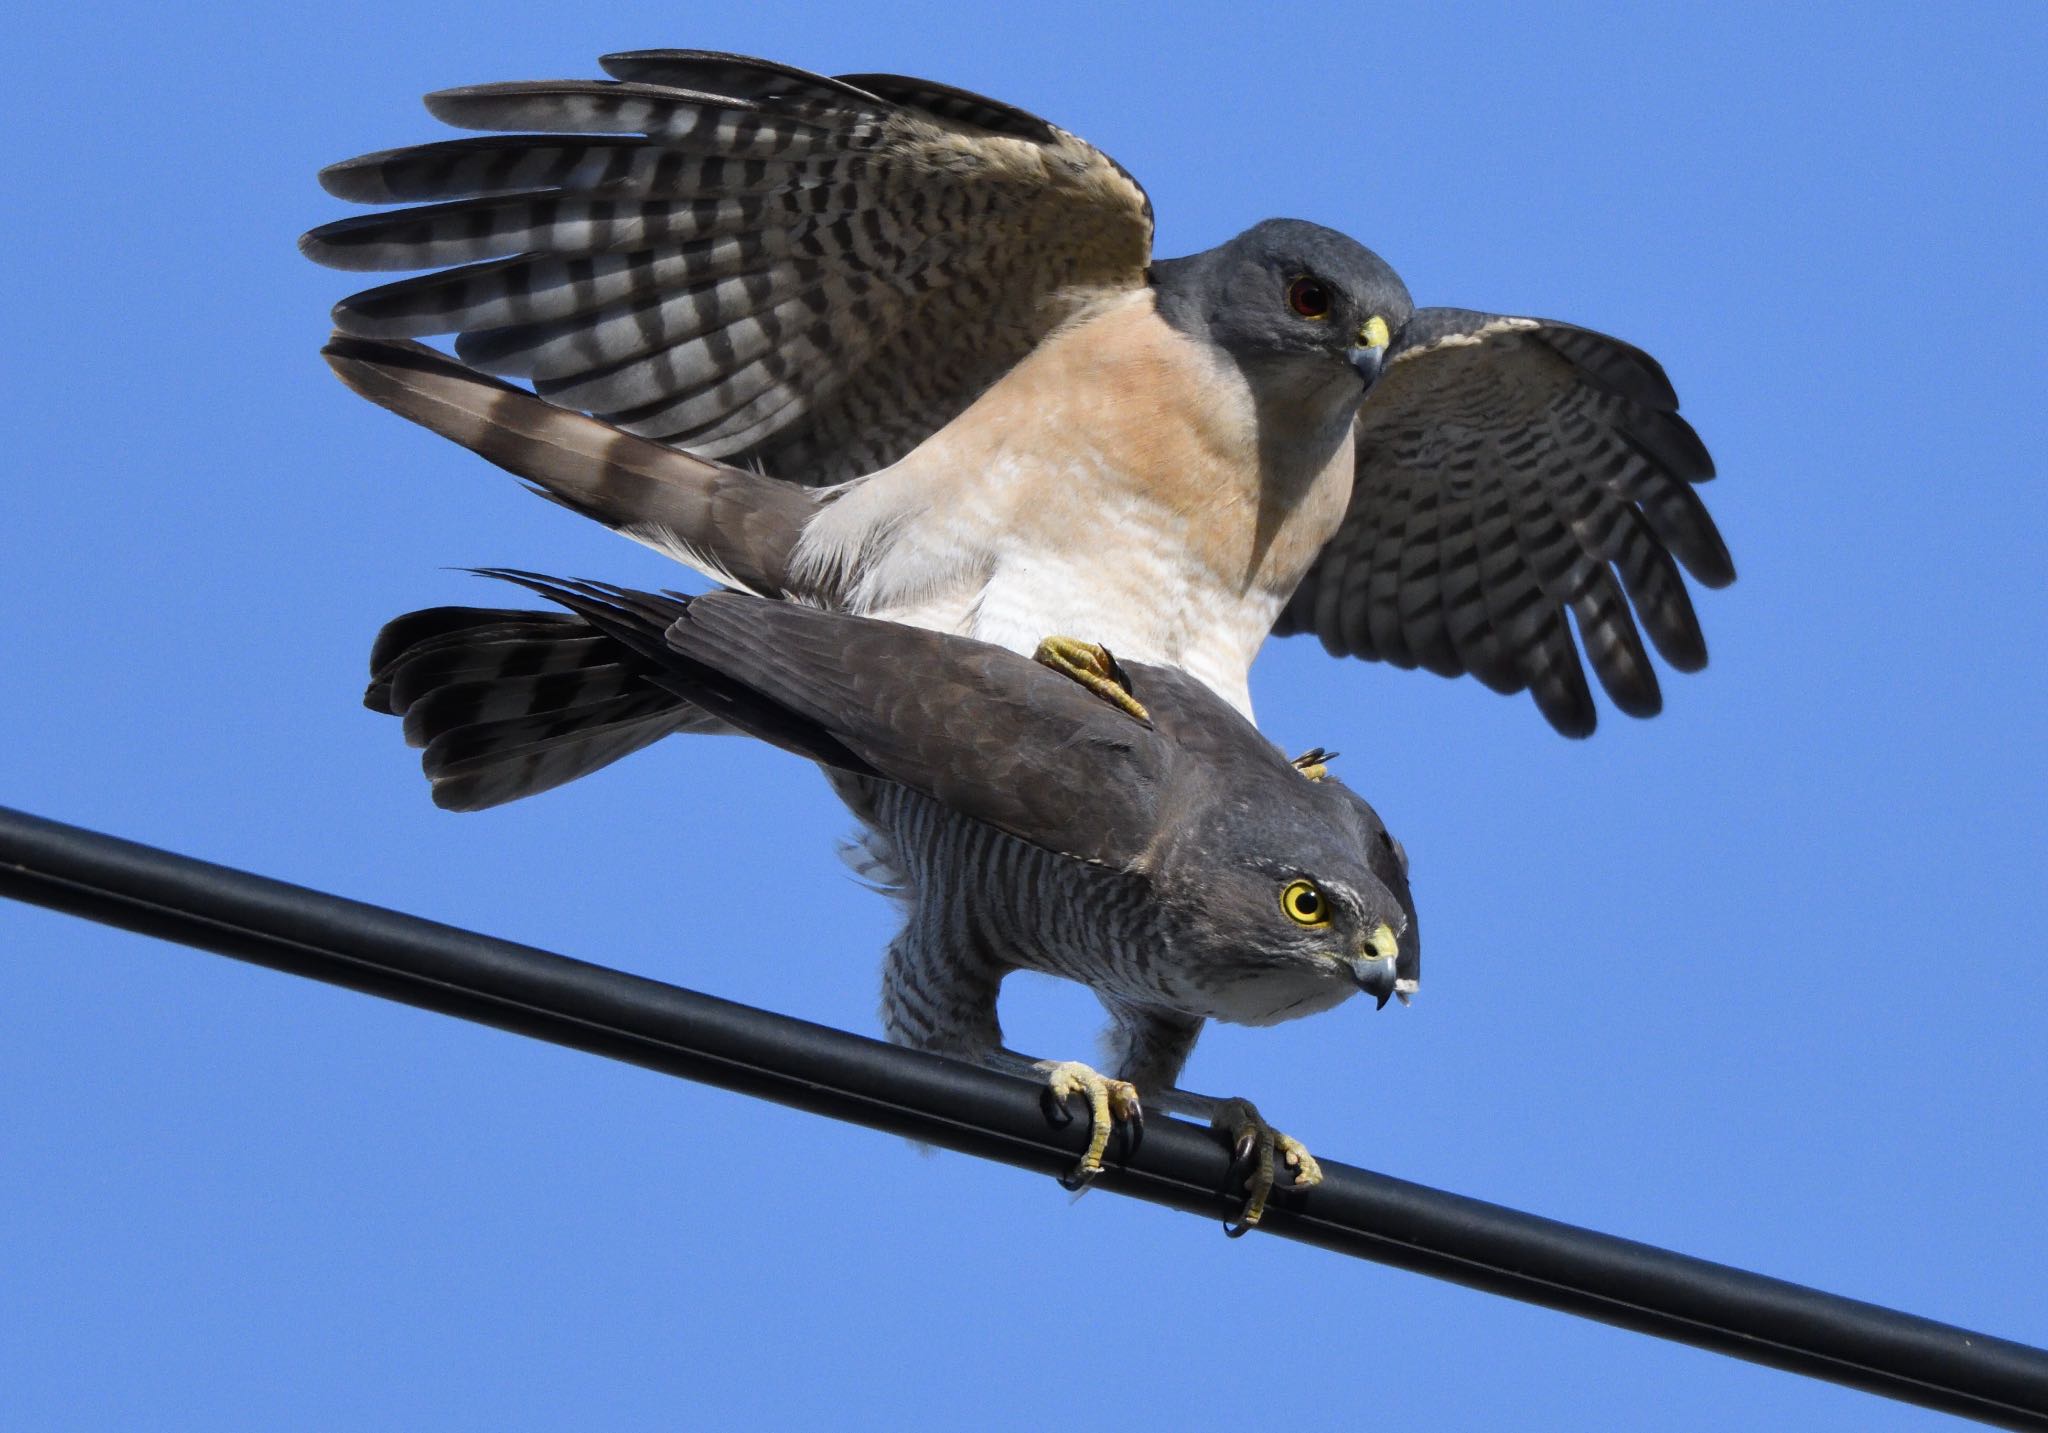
1128,831
894,351
888,349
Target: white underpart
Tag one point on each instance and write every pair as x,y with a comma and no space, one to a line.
1127,585
1108,490
1143,605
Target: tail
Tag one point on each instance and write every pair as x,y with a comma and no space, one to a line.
507,703
987,734
735,526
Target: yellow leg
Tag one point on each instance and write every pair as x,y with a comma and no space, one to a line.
1109,1101
1094,668
1254,1145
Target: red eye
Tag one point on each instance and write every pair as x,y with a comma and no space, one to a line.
1309,298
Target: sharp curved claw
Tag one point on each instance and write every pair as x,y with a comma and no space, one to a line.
1110,1103
1241,1155
1077,1179
1134,1132
1256,1153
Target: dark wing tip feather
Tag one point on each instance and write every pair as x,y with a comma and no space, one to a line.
741,76
1566,717
1685,651
1712,565
358,180
459,95
1634,690
1669,442
360,243
318,244
494,106
961,106
403,308
1618,367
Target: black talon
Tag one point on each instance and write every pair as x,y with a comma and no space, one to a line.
1251,1167
1074,1181
1243,1162
1134,1134
1243,1155
1115,670
1055,1106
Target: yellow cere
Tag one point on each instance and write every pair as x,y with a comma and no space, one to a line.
1374,334
1305,904
1384,944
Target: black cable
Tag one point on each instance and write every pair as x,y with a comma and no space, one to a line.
980,1112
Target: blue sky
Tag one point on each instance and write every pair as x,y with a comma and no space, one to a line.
1759,980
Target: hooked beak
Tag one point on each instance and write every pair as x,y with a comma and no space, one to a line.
1369,352
1374,970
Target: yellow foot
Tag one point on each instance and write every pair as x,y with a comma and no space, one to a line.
1254,1145
1094,668
1109,1101
1314,763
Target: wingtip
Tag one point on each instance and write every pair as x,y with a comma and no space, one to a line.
1639,701
1572,721
1708,560
341,244
335,179
456,106
360,180
317,244
616,60
461,795
437,101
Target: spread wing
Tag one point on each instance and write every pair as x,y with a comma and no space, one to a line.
983,731
807,275
1511,471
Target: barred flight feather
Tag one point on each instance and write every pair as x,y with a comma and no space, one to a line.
1510,472
583,243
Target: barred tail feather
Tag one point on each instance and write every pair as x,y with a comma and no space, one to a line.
505,703
737,527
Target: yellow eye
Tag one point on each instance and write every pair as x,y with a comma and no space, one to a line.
1305,904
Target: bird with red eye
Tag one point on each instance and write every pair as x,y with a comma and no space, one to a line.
1309,297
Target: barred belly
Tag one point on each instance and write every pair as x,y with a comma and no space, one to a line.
978,904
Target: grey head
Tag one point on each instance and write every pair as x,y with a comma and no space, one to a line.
1295,882
1292,303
